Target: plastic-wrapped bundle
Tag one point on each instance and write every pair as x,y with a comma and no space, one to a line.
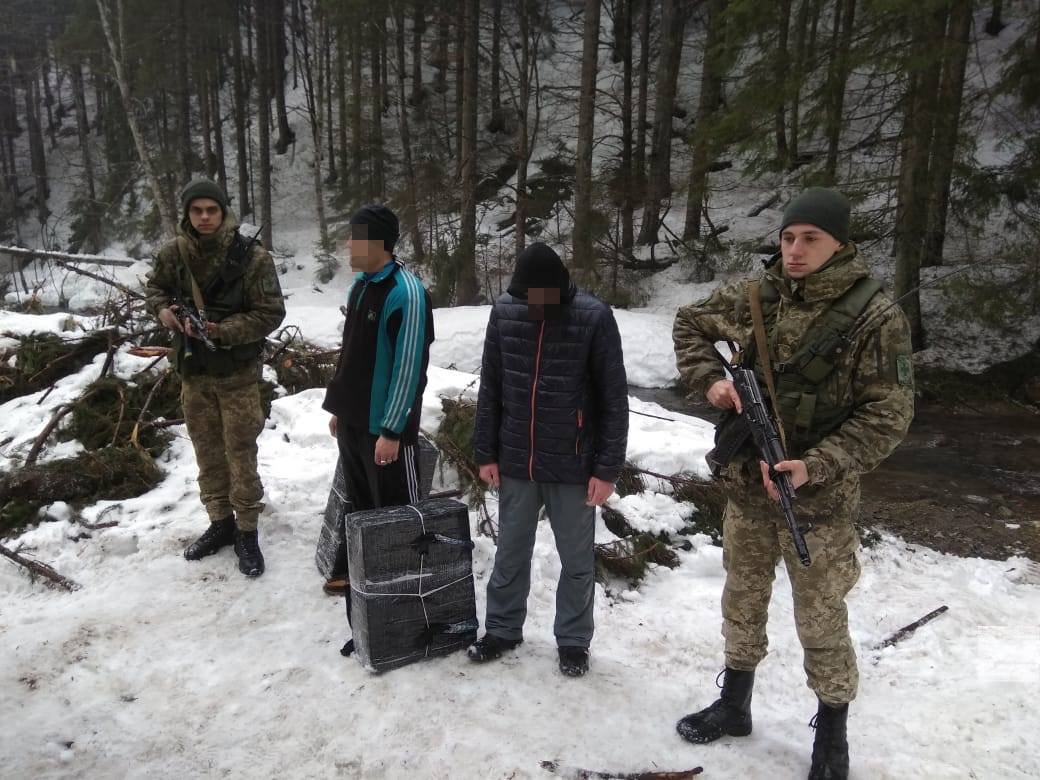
411,582
331,554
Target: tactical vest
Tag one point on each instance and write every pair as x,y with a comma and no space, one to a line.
807,413
224,295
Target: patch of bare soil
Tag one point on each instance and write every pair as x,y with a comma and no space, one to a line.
966,481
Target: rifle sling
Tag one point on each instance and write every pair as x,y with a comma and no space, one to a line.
765,355
196,293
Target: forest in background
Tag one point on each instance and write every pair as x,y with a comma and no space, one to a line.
442,107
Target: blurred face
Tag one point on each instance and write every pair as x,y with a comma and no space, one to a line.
543,303
205,215
805,248
365,255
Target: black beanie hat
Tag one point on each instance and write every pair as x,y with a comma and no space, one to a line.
381,222
203,188
826,209
539,266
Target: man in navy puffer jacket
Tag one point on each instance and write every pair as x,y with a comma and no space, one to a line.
551,430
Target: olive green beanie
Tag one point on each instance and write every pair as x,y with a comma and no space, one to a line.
203,188
826,209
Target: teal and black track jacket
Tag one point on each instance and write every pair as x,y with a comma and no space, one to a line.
381,373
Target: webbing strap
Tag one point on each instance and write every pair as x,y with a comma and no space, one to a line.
764,355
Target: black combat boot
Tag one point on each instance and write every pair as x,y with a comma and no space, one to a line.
219,534
574,661
730,715
247,548
830,750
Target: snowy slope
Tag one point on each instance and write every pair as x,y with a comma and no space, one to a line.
167,669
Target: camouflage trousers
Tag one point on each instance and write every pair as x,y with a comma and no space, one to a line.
755,537
224,418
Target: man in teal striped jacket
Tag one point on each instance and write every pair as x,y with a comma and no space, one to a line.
375,397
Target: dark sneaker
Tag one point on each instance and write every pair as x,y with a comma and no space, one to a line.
335,587
489,647
574,661
219,535
247,548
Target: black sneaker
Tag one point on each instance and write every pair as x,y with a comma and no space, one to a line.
574,661
489,647
247,548
219,535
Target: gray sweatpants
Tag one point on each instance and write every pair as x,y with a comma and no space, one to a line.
574,526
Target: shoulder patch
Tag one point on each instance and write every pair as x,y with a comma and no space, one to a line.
904,370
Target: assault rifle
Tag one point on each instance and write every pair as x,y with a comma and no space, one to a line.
756,421
189,315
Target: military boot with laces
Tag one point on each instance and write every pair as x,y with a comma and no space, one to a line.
830,752
729,715
219,534
247,548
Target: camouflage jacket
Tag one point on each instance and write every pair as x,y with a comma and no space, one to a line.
873,379
265,307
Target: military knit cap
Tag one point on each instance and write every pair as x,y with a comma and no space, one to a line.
826,209
203,188
381,224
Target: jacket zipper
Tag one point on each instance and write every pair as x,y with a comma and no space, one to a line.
577,441
534,394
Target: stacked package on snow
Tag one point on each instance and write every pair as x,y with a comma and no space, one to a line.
331,554
411,582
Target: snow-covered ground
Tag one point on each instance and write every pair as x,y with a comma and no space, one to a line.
163,668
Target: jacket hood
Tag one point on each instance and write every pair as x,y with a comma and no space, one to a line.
539,266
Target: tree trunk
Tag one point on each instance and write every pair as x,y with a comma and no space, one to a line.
798,75
205,125
704,145
783,78
327,92
837,77
37,155
947,127
242,108
263,85
624,39
83,129
182,115
356,132
412,208
659,188
116,48
460,78
995,23
523,151
217,121
467,289
341,102
277,52
418,28
918,130
497,124
377,152
639,158
313,90
584,257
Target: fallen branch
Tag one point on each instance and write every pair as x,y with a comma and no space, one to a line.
65,257
576,773
144,409
39,569
905,631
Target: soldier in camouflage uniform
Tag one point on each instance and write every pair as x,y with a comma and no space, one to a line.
845,403
236,281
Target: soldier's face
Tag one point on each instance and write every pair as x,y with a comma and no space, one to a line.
205,215
805,248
